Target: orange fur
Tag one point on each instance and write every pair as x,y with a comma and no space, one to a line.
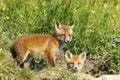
25,48
75,62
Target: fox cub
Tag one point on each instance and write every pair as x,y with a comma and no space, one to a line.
75,62
25,48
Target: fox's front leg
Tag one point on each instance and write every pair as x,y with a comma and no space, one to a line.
28,61
50,55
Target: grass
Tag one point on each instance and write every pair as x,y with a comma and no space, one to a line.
97,30
9,71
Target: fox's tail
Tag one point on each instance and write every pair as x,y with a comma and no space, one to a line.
13,52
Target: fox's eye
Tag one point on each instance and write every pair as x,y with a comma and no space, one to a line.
70,34
62,35
71,63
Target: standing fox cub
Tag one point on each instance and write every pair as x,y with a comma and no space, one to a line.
25,48
75,62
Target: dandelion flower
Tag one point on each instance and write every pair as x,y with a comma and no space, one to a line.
86,8
7,17
75,10
93,11
10,54
0,49
21,16
36,7
4,8
117,8
114,15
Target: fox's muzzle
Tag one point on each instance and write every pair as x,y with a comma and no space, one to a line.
67,38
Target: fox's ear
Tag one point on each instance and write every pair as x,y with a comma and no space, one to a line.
68,54
83,55
71,25
57,25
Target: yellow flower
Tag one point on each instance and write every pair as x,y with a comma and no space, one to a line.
10,54
7,17
0,49
36,7
86,8
114,15
75,10
21,16
117,8
93,11
4,8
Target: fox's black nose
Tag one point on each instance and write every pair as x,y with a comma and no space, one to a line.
67,41
75,67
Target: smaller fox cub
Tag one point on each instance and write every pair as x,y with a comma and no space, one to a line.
25,48
75,62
